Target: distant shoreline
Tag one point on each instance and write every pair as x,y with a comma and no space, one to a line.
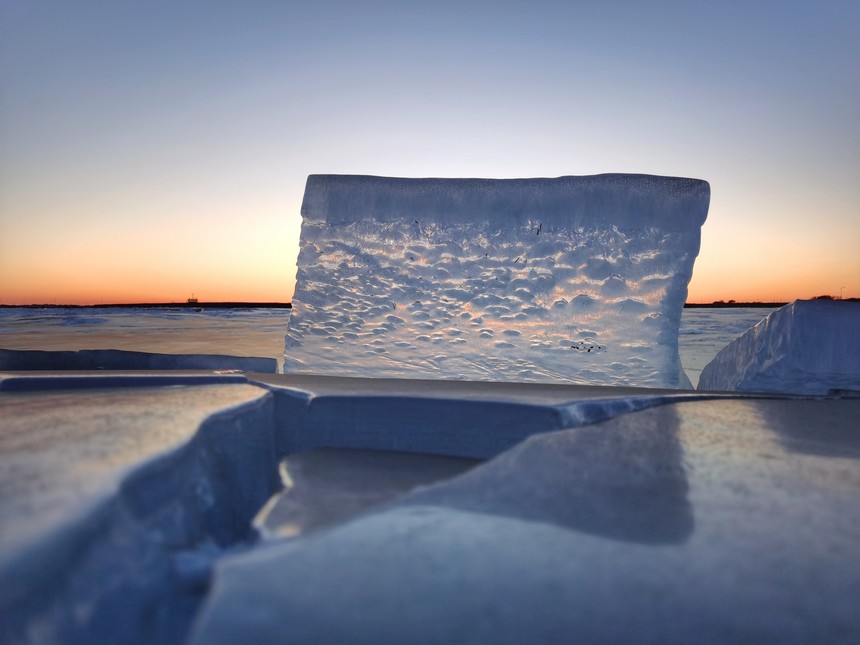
732,305
748,305
288,305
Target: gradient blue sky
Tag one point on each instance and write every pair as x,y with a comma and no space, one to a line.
149,150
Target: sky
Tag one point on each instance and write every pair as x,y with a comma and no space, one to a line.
154,150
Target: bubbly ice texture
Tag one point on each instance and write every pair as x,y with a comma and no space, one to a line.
573,279
805,347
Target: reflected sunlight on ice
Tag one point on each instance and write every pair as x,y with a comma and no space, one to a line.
574,279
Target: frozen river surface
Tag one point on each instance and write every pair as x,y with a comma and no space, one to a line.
673,501
260,332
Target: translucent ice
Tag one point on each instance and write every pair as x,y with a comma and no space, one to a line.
806,347
574,279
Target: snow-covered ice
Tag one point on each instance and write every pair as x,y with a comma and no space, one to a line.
574,279
806,347
166,330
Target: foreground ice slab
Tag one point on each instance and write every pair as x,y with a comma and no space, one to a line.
118,490
574,279
806,347
709,522
114,499
560,511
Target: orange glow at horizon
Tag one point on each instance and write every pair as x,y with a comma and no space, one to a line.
149,159
214,262
132,291
102,283
239,251
221,258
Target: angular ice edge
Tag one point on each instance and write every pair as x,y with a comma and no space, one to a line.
805,347
574,279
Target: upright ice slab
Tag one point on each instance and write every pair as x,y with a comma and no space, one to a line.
574,279
806,347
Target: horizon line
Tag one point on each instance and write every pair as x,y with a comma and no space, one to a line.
288,305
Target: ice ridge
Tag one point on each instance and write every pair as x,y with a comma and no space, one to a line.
805,347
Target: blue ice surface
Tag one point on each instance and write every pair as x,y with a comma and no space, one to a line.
605,512
122,489
705,521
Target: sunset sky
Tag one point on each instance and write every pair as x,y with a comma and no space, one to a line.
151,150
